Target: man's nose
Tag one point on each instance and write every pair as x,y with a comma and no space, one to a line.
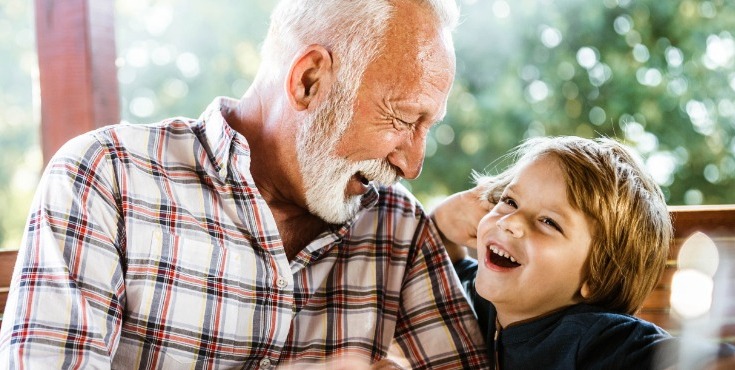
408,157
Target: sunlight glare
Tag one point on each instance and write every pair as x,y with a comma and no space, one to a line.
693,197
188,64
623,24
674,56
586,57
501,9
720,51
691,293
538,91
158,18
700,117
699,252
661,166
551,37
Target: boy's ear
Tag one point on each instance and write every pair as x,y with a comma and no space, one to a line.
310,76
585,291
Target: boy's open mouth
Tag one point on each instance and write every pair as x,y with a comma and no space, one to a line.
501,259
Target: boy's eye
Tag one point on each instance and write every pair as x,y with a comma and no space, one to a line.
509,201
552,223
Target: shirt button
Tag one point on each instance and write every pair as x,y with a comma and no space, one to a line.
281,282
265,363
223,171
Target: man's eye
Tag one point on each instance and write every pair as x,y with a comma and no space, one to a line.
400,124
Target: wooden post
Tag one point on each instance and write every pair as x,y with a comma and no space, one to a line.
76,61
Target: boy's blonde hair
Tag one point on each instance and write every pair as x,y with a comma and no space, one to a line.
631,224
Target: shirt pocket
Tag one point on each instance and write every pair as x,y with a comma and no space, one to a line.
180,292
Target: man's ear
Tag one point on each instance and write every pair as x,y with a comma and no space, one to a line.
585,291
310,76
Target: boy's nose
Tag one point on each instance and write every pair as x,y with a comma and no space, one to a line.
511,224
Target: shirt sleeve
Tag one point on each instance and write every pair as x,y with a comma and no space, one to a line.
436,327
66,299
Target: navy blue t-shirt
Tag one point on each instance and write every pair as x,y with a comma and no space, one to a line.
581,336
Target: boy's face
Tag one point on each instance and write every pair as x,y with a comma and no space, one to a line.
532,245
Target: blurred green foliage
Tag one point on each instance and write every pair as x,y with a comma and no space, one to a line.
658,75
20,154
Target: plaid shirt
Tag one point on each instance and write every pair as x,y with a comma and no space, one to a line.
149,246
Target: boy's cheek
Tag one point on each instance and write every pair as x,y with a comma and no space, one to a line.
483,228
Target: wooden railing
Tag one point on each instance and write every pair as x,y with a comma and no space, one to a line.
7,261
718,224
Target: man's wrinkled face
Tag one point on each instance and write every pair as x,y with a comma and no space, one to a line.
379,134
326,176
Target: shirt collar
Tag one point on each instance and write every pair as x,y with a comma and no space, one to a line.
336,232
218,135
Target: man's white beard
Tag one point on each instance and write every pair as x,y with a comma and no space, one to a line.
325,175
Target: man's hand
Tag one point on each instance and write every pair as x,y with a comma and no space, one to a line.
457,218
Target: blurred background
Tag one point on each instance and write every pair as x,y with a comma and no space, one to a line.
658,75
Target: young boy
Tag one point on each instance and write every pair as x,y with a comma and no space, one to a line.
577,237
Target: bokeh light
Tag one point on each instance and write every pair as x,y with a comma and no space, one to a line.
692,285
587,57
691,293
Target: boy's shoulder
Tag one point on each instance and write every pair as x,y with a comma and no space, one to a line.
611,339
593,318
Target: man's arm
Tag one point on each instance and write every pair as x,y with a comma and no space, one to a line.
66,300
436,327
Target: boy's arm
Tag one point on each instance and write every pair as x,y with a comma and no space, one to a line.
457,217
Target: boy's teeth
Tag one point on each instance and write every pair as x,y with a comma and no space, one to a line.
503,254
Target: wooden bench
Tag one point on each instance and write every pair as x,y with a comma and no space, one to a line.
718,223
7,261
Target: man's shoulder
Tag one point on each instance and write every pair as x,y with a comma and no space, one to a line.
398,198
394,210
124,137
174,125
168,126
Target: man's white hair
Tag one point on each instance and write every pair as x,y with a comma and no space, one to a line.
353,32
351,29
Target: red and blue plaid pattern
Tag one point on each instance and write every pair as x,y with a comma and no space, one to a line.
149,246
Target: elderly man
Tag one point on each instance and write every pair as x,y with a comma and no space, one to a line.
269,230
